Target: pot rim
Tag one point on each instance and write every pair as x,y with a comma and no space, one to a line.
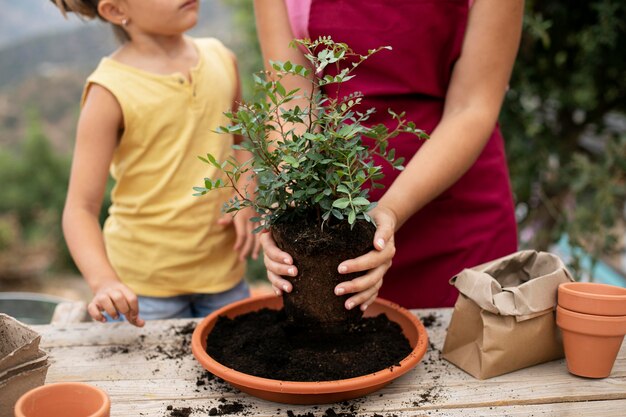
578,289
591,324
198,347
590,317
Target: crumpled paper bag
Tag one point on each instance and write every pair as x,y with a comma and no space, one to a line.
504,318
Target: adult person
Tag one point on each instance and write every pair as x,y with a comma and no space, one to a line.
452,206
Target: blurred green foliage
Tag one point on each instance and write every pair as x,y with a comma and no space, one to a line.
34,182
247,47
565,126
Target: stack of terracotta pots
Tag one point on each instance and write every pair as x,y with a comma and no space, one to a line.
592,318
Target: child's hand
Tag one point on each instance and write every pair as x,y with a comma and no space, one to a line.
375,262
246,242
115,298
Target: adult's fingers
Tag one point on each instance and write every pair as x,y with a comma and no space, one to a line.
386,221
279,283
274,252
280,268
363,296
365,304
362,283
385,228
370,260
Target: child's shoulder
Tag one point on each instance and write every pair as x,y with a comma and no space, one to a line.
212,45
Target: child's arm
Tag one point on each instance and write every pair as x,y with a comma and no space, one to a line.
98,130
246,242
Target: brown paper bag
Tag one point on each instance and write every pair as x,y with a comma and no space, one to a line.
504,317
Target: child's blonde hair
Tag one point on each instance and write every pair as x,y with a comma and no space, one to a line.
88,9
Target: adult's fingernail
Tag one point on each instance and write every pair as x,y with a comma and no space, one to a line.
342,269
286,260
277,291
340,290
364,307
286,288
350,305
291,271
381,243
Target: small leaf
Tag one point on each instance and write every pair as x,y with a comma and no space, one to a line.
341,203
291,161
360,201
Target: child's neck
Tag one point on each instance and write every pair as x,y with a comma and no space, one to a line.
159,54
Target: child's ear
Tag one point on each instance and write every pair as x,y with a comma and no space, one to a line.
112,11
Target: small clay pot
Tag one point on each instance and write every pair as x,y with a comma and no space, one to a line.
593,298
591,342
64,399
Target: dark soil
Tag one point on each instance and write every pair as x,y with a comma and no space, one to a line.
430,320
317,252
263,344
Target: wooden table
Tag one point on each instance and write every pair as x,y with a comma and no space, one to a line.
147,370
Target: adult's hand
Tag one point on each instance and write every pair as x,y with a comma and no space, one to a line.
277,262
375,262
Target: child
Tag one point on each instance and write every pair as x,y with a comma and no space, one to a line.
148,111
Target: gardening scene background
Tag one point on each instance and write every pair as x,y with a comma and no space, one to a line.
563,119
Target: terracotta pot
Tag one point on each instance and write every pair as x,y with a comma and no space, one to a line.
593,298
591,342
64,399
310,392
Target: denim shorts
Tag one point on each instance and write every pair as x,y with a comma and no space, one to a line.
188,305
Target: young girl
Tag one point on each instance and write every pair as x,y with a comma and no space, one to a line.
148,111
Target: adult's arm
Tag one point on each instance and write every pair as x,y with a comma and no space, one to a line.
478,83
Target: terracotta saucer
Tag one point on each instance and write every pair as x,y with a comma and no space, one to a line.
310,392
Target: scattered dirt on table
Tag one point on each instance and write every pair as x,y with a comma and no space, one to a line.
177,347
429,396
227,408
431,320
261,343
179,412
206,379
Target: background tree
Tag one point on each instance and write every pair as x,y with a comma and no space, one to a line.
565,126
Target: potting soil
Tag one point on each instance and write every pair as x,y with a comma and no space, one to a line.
262,344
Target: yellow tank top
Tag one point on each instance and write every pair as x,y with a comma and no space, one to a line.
160,239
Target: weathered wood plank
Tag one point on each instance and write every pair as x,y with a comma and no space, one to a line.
144,370
202,407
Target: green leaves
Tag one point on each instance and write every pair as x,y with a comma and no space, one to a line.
308,157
